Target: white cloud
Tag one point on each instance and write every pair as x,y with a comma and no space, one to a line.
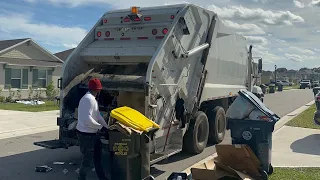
298,4
304,51
245,28
294,57
315,2
47,33
257,40
257,15
299,58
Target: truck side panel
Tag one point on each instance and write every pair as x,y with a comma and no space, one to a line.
226,66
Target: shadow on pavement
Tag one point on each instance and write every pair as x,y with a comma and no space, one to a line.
307,145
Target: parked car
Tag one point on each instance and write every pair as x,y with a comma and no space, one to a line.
305,83
285,83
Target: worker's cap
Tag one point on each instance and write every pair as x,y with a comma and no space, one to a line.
95,84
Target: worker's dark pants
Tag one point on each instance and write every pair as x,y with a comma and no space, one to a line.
91,149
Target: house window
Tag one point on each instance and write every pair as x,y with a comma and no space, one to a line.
42,78
16,77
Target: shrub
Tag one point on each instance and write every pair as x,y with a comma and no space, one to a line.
19,95
51,92
11,95
30,95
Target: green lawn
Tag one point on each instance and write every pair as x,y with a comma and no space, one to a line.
295,174
48,106
305,119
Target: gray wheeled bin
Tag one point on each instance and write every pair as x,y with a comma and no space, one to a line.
252,123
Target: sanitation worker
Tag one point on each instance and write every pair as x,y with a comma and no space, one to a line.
90,122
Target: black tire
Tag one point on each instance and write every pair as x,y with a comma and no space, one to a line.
270,169
196,138
217,124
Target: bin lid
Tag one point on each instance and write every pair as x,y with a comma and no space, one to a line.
255,101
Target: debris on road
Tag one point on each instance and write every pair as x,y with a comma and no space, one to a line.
77,170
59,163
71,163
43,168
65,171
32,102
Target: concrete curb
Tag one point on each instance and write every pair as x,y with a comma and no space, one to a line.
278,126
291,115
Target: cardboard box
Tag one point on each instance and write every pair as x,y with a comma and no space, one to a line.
232,162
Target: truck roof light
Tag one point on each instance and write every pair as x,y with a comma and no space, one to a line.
107,33
154,31
134,10
98,33
105,21
137,19
165,31
172,17
147,18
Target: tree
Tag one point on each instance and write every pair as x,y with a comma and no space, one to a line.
282,70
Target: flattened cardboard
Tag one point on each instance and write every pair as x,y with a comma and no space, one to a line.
239,157
232,161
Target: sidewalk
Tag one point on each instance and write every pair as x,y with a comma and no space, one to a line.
17,123
296,147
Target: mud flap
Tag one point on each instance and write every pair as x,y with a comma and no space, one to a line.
52,144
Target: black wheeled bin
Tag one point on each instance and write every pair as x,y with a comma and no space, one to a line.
252,123
272,88
316,90
280,87
130,155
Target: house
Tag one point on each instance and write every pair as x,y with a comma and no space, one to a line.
63,55
25,65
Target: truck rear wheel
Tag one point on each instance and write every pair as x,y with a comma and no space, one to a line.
217,124
196,138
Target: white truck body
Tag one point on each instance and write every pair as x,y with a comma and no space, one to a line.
168,52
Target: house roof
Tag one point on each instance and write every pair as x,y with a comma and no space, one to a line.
63,55
6,45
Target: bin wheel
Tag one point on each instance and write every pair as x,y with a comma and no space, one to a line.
217,124
270,169
196,138
264,175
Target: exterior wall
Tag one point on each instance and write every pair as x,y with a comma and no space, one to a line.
26,51
25,92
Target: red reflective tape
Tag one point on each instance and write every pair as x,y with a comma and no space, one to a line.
159,37
142,37
108,39
125,38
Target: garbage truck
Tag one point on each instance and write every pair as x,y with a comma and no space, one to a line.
178,65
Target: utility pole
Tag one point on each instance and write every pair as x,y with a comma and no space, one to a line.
275,74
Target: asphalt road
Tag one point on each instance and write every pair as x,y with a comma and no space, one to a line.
19,157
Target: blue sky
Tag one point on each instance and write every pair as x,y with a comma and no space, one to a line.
286,32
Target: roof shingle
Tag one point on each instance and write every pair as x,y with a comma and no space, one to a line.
63,55
4,44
